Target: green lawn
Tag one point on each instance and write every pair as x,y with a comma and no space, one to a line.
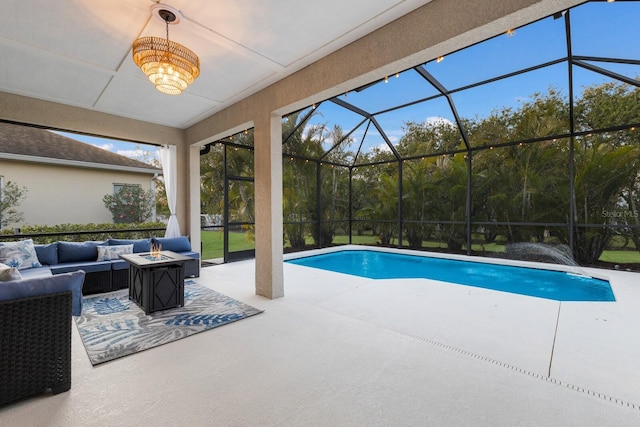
622,257
213,243
212,246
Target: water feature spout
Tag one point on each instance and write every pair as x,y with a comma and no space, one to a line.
541,252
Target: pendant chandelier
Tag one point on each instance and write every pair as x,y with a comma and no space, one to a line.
170,66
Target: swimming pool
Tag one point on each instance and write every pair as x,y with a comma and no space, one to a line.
550,284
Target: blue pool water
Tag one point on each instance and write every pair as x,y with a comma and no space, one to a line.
556,285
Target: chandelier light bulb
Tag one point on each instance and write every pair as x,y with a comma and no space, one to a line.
170,66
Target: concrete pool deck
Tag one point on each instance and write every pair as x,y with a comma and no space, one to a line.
594,346
340,350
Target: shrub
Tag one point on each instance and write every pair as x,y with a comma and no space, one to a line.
82,232
130,204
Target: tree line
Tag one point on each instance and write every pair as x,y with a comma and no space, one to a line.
543,172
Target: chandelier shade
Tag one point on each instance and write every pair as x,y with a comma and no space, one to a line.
170,66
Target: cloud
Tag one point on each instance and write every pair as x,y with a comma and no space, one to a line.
384,147
140,155
436,120
130,153
108,147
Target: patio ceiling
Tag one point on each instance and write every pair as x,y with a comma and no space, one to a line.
78,52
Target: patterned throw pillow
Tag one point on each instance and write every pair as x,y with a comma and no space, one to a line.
21,255
107,253
9,273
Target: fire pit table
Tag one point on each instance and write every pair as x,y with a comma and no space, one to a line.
156,279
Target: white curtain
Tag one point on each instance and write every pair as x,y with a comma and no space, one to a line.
169,166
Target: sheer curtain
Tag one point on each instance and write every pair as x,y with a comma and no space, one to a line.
169,165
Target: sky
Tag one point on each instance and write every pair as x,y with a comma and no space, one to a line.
597,30
531,45
138,151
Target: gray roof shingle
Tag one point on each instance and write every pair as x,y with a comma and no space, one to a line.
36,142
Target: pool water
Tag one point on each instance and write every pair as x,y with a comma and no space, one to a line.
555,285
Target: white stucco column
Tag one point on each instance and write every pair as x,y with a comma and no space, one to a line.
268,200
194,198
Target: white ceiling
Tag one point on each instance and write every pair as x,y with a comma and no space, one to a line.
78,52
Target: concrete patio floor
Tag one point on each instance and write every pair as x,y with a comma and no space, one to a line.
339,350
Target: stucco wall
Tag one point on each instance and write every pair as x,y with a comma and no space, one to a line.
61,195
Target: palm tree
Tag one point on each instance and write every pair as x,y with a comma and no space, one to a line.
522,183
380,202
602,176
334,188
300,144
607,164
433,186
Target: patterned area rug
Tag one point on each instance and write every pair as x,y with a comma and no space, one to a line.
111,326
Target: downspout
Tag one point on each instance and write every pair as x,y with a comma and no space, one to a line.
153,197
1,197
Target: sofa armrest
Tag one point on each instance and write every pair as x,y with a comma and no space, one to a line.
47,285
35,345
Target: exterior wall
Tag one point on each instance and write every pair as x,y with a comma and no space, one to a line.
62,195
22,109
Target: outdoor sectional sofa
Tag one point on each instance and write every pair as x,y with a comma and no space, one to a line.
103,276
36,307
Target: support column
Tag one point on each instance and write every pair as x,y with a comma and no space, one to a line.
268,200
194,198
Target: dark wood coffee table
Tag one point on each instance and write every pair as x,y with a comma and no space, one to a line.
156,282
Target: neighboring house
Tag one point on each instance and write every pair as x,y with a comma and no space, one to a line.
65,179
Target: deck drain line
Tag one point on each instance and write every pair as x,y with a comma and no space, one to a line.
516,369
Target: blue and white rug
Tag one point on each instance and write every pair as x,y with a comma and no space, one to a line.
111,326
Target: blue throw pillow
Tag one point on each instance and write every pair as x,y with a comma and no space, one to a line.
174,244
47,285
47,254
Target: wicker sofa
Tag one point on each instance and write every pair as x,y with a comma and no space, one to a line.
107,275
35,337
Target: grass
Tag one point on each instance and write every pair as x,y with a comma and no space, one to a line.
621,257
213,243
213,246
